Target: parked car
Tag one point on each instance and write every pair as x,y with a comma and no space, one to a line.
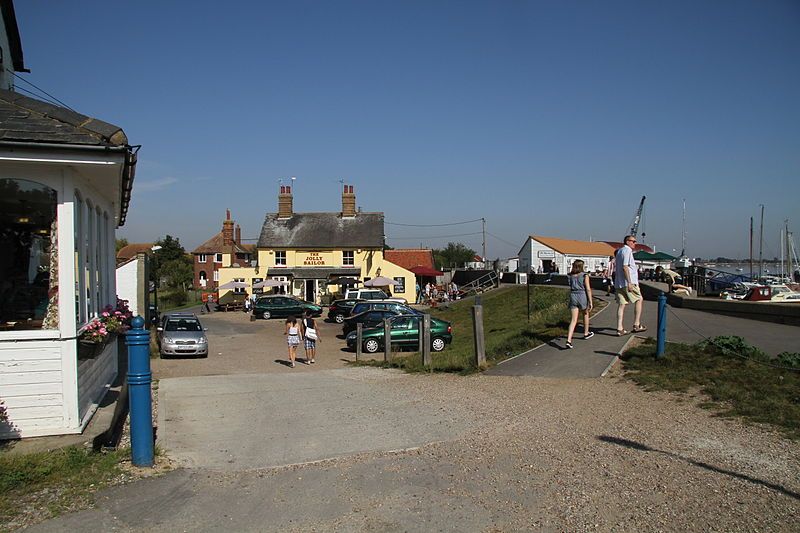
370,294
369,319
341,309
163,321
384,305
283,306
404,333
182,334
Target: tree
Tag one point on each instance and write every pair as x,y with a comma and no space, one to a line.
454,254
171,264
121,243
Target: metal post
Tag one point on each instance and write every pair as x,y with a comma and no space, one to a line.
426,339
359,339
387,340
661,339
529,298
480,344
139,379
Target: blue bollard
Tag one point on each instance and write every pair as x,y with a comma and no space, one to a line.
139,379
661,339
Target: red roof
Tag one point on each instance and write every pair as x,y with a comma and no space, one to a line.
409,258
638,247
131,250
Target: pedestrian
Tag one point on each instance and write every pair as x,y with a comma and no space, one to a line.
205,309
626,283
580,299
610,269
673,279
419,293
247,302
292,332
311,335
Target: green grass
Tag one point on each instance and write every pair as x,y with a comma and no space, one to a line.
53,481
735,386
506,329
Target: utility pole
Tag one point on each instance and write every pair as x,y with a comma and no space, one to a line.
483,223
761,245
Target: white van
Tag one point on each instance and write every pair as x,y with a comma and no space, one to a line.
370,294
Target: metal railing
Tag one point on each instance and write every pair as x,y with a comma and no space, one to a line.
484,283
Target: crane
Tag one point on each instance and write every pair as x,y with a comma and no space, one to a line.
637,219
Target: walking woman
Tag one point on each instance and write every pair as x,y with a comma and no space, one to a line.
580,299
292,332
310,333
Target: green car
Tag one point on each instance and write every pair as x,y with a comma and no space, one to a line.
405,334
283,306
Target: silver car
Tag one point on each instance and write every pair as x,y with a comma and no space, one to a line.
182,335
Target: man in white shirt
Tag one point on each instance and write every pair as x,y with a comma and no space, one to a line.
626,284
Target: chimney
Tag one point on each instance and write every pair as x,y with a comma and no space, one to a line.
238,234
348,202
227,229
285,202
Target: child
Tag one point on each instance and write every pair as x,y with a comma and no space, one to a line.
580,298
292,332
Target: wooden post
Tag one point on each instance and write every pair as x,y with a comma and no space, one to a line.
425,332
387,340
359,339
477,327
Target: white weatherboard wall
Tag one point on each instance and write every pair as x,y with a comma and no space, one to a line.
127,283
42,385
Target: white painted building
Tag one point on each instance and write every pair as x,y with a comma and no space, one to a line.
544,254
65,185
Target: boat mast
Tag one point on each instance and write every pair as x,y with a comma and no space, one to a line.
683,231
783,248
761,245
751,248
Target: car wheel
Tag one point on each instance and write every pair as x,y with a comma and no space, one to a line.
438,344
266,315
338,318
371,346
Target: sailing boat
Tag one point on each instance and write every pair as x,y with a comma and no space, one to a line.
683,261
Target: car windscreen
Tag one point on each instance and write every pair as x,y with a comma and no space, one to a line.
183,325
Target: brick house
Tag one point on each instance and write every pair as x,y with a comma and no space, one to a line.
225,249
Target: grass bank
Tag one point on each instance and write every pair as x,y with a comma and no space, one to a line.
48,483
733,375
506,329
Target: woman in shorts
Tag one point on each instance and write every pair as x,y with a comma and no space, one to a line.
310,333
580,299
292,332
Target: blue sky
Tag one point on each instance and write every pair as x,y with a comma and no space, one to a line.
550,118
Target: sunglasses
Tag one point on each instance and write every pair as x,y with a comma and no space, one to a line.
631,240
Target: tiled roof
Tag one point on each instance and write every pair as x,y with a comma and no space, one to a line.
638,247
211,246
131,250
570,247
30,121
322,230
410,257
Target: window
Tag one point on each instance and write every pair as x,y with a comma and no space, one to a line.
203,278
216,275
80,294
218,258
238,290
400,288
280,258
348,258
201,258
28,271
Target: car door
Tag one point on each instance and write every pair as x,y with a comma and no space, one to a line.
400,329
294,307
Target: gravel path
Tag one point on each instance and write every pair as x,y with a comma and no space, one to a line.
546,454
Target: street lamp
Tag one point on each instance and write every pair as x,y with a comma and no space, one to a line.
154,315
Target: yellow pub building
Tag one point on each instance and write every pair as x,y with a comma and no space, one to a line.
310,251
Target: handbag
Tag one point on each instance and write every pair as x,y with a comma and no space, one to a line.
311,333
